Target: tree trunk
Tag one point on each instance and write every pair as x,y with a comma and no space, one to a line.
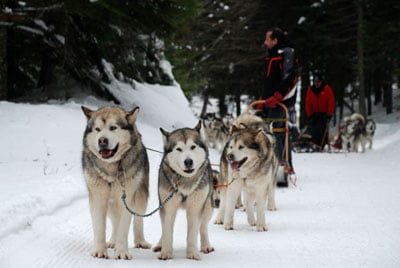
360,56
368,87
3,63
222,105
205,102
237,101
305,81
388,98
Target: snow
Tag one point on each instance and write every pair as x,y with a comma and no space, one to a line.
344,211
301,20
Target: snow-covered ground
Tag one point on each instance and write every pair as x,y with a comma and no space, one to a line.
344,212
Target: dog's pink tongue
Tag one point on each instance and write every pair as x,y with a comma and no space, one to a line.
235,165
105,153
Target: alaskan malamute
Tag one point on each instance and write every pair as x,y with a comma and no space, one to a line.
113,159
214,132
185,168
250,164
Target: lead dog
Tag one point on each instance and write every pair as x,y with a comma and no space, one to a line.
114,158
185,168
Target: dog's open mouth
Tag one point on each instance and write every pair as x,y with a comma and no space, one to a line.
188,171
108,153
235,165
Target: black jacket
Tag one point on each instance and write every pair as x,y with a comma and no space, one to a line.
281,73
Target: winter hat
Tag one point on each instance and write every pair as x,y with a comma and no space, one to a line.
317,76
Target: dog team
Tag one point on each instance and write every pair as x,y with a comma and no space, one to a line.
355,133
115,162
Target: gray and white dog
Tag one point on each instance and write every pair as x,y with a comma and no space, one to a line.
214,132
185,168
114,158
248,164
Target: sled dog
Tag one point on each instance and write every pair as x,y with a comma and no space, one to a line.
250,165
114,158
369,132
354,133
185,168
214,131
245,120
217,188
228,119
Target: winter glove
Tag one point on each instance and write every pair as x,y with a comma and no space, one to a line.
272,101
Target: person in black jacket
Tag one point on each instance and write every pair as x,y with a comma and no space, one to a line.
280,83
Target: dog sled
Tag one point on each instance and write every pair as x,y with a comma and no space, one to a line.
285,170
304,142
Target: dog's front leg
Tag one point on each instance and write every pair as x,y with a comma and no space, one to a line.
121,243
98,202
222,205
205,218
249,199
140,205
193,224
232,194
169,215
261,199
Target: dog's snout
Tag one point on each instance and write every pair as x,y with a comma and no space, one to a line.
188,162
230,157
103,142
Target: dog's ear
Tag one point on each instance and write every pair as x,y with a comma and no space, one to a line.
234,129
132,115
88,113
198,126
243,126
261,136
165,135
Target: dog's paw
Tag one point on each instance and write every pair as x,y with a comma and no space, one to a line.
207,249
228,226
272,209
100,253
192,255
156,248
219,221
111,244
143,244
252,222
262,228
165,256
122,254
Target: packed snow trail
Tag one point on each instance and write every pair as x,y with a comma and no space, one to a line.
344,212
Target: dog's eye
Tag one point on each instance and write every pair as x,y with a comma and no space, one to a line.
253,146
112,128
240,147
179,149
97,129
192,147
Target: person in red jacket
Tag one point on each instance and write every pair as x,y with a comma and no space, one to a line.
320,106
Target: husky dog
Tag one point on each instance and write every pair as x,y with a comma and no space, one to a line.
214,131
369,132
250,164
114,158
245,120
352,130
217,189
228,119
185,168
